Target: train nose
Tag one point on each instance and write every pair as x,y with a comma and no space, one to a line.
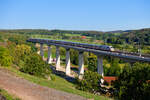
112,49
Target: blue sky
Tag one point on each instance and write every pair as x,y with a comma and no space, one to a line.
102,15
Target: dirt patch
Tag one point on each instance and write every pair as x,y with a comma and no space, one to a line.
30,91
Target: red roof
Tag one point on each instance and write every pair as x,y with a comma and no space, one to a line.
109,79
83,37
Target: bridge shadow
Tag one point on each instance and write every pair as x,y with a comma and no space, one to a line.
63,74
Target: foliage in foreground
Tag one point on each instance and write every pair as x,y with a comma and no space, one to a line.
134,83
28,61
8,96
34,65
5,58
90,82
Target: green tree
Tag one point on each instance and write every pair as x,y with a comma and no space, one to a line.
74,56
1,38
90,82
22,50
62,52
92,63
19,53
114,69
86,56
34,65
5,58
133,83
18,39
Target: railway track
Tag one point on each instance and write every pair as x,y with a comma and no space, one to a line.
86,46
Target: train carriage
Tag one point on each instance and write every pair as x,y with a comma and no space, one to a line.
83,45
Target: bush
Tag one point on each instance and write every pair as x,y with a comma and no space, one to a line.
74,58
17,39
92,64
33,47
90,82
1,38
5,58
18,52
22,50
114,69
34,65
133,83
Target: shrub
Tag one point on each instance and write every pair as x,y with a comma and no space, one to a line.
114,69
74,58
34,65
90,82
17,39
1,38
133,83
33,47
5,58
92,64
18,52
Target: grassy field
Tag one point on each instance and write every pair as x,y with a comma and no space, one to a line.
72,34
8,96
59,84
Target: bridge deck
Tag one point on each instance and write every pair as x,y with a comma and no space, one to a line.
122,55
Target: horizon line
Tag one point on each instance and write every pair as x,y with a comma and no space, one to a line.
69,29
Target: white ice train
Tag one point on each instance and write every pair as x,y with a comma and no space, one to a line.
85,45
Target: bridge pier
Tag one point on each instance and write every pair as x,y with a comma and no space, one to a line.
49,59
57,58
81,65
67,61
41,51
100,67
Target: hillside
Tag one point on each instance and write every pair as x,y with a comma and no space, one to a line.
142,36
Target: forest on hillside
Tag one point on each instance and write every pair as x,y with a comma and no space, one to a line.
15,52
141,36
130,40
